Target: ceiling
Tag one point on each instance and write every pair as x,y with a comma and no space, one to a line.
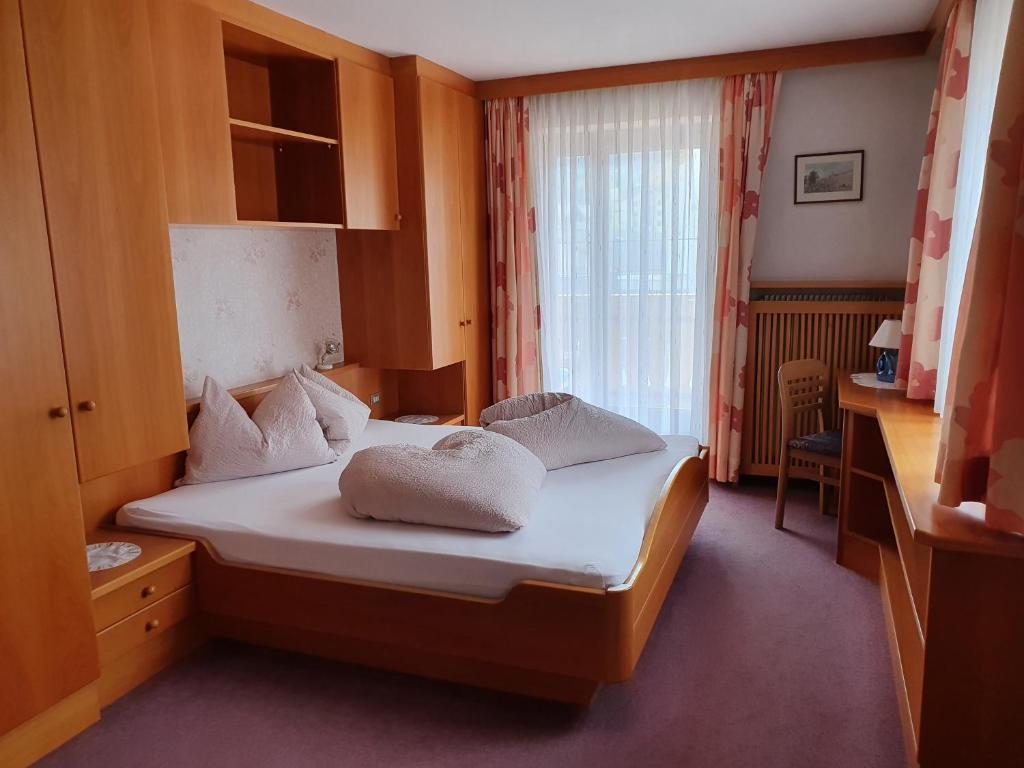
485,39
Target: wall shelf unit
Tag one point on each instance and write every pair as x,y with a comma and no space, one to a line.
283,117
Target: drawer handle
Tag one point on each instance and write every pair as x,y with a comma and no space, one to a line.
148,591
87,405
152,624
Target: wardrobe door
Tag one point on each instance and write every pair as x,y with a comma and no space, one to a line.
47,642
368,147
476,289
99,146
439,115
192,98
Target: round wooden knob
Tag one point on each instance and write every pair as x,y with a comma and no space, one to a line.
152,624
87,405
60,412
147,591
398,217
469,322
462,323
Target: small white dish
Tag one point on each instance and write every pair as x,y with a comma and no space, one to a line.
110,554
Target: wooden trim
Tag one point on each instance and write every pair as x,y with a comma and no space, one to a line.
541,639
421,67
256,18
937,23
722,65
259,389
856,285
35,738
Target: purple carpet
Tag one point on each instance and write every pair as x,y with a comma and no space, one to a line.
766,654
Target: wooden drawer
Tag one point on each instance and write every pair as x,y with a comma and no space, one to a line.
150,622
136,595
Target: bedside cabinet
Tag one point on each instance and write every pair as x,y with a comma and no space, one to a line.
144,611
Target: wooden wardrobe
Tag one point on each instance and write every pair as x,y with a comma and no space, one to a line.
90,349
418,300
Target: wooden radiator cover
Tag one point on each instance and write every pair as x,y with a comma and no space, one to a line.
832,322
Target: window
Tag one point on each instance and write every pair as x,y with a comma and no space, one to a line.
625,191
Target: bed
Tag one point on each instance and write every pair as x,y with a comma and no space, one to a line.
552,610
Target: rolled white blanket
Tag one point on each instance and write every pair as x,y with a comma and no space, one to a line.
562,430
471,479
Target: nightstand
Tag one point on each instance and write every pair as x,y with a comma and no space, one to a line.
144,611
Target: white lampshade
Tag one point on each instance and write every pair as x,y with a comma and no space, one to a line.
888,335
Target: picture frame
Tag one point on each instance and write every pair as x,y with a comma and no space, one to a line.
828,177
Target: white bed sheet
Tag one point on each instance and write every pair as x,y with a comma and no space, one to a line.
586,529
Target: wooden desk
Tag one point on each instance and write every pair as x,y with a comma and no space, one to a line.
952,588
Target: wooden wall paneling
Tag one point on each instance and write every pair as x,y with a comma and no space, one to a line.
48,653
439,113
189,72
304,95
255,177
440,392
90,69
369,159
308,183
248,88
722,65
476,284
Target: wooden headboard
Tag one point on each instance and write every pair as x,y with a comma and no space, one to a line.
102,497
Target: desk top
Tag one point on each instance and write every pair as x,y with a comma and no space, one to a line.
911,431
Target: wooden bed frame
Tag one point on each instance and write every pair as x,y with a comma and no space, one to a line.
542,639
545,640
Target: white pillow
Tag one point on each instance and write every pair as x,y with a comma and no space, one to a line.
342,415
282,434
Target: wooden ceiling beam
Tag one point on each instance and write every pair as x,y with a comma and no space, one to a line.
722,65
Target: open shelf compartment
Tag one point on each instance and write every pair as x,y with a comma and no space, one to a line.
283,107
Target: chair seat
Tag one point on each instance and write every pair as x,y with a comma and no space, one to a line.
828,443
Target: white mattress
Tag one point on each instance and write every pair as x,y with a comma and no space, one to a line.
586,529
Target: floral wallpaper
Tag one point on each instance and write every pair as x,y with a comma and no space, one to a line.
252,303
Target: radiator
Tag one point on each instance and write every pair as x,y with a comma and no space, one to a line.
831,322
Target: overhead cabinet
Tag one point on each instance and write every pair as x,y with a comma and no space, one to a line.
258,130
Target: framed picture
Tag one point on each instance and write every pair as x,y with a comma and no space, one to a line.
829,178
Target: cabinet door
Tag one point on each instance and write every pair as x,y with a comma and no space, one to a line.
192,98
439,115
46,633
99,148
369,161
476,288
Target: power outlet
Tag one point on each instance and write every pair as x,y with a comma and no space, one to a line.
374,399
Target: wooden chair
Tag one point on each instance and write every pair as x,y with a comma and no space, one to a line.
803,387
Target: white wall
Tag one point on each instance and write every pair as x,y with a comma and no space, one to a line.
252,303
880,107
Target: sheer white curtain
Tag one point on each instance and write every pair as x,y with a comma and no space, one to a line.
625,187
991,19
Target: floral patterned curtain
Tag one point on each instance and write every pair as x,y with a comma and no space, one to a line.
933,217
748,102
515,338
981,457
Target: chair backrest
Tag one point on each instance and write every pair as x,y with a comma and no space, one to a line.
803,386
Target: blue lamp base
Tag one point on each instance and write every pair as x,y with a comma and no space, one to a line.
886,366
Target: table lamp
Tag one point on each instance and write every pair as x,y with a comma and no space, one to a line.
887,338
